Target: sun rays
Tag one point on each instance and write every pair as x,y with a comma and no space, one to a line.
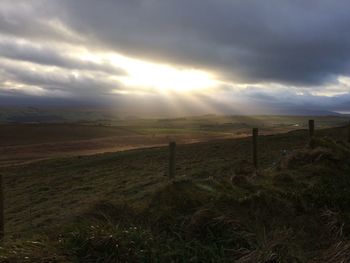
155,76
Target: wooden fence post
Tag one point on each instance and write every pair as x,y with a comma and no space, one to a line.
2,222
172,166
255,147
311,128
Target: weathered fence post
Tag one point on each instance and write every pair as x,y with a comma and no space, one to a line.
255,147
311,128
172,167
2,222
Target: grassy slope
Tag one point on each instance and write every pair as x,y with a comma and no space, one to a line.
203,215
25,134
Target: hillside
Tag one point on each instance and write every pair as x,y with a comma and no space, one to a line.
26,142
23,143
120,207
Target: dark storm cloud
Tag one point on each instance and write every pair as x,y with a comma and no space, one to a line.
292,41
35,20
299,42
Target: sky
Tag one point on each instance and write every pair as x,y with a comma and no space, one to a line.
177,57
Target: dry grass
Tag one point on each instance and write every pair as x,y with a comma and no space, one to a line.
214,211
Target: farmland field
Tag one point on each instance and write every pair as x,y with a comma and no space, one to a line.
25,142
126,197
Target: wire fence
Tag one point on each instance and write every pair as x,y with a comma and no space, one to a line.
49,182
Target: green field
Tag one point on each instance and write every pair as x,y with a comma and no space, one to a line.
206,123
26,140
122,207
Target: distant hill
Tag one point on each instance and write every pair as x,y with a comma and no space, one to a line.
30,118
52,115
307,112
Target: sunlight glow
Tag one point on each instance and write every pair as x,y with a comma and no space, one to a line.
166,77
160,77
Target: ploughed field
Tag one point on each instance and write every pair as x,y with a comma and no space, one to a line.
122,207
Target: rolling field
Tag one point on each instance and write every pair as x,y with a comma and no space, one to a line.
69,184
216,208
22,143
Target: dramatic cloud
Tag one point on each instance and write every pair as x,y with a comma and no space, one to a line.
299,42
271,54
40,54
